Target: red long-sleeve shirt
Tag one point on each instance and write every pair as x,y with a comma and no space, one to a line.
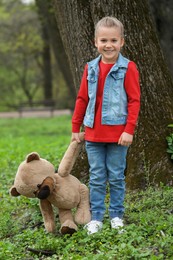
107,133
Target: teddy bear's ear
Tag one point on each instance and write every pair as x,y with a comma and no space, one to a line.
14,192
32,156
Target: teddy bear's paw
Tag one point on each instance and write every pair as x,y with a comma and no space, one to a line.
68,227
66,230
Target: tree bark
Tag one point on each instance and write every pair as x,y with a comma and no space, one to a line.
147,160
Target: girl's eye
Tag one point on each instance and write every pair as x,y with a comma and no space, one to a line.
114,40
103,40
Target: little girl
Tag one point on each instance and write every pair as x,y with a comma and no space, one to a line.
108,105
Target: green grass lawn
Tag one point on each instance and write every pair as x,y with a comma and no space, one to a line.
148,218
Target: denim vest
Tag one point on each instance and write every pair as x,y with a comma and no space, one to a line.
114,105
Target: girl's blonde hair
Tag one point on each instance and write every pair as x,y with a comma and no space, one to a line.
109,21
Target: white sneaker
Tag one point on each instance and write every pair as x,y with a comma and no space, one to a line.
117,223
93,226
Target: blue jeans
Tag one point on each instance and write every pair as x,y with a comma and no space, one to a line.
107,163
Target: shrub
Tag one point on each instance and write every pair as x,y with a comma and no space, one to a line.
170,143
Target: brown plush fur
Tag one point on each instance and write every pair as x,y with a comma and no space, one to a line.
36,178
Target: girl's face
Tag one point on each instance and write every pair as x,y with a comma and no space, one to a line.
109,42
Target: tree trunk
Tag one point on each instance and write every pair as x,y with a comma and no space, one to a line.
162,11
47,68
46,56
48,18
147,157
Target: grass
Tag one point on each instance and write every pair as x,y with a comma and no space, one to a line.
148,217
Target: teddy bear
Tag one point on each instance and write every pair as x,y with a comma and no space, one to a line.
36,178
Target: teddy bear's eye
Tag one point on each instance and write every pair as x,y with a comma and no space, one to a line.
38,185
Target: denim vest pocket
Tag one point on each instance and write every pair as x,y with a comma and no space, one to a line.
92,87
91,84
117,81
117,76
91,78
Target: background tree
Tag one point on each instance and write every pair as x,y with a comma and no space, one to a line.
162,11
147,158
20,44
46,67
48,20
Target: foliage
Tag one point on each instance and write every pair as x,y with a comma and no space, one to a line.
148,218
21,58
170,143
20,51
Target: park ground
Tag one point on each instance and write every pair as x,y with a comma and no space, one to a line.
148,217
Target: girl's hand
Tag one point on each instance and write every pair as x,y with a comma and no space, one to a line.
125,139
75,137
